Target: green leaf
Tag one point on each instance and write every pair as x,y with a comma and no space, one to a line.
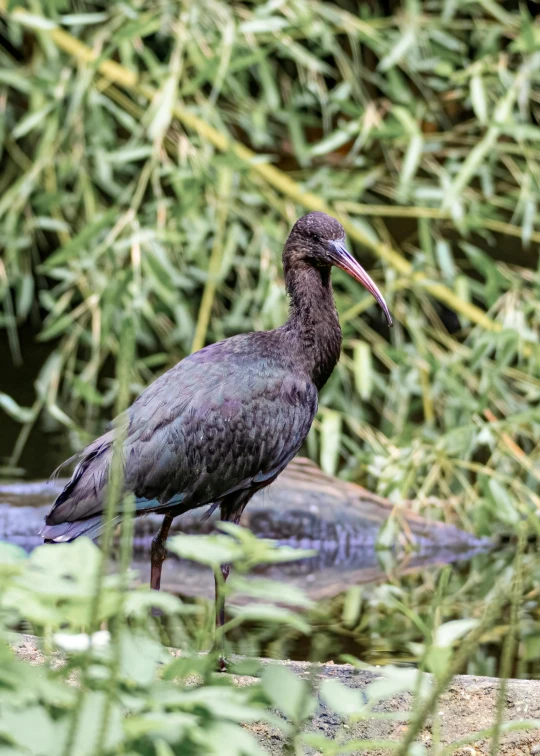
32,21
270,590
344,701
89,726
129,154
268,613
411,162
30,122
228,739
57,327
14,410
83,19
29,727
445,259
287,692
396,680
448,633
25,296
139,657
363,369
352,605
330,439
210,550
388,534
81,241
478,98
398,51
504,506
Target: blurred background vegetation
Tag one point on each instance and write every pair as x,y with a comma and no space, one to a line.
154,155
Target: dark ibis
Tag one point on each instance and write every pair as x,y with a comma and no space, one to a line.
225,421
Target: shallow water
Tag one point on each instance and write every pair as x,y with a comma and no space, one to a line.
304,509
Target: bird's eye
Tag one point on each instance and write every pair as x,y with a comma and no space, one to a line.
316,237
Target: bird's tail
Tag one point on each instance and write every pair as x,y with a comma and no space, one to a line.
68,531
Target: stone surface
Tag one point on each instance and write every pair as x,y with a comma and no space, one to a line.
467,707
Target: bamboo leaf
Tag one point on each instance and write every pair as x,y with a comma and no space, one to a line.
479,99
330,440
14,410
32,21
363,369
80,242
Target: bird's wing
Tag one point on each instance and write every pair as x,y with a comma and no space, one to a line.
222,420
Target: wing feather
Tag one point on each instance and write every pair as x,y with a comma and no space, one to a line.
220,421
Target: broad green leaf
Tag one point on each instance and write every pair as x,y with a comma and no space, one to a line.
395,680
287,692
210,550
344,701
268,613
228,739
450,632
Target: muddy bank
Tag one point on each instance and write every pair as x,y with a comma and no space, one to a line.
468,707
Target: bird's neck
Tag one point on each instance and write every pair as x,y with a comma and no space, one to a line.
313,324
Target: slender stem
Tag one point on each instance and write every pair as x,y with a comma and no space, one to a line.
214,265
406,211
509,646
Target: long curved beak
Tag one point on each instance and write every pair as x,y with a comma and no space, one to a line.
343,259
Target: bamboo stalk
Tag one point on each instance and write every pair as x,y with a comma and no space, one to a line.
214,264
409,211
120,75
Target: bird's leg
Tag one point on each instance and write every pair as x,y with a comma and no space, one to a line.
220,599
231,511
158,552
220,612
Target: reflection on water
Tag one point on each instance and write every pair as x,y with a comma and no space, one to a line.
304,508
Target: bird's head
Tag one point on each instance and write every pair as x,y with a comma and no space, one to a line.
319,240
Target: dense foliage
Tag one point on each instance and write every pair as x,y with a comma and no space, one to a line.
120,691
128,187
153,156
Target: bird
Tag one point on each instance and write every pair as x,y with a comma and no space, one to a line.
225,421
